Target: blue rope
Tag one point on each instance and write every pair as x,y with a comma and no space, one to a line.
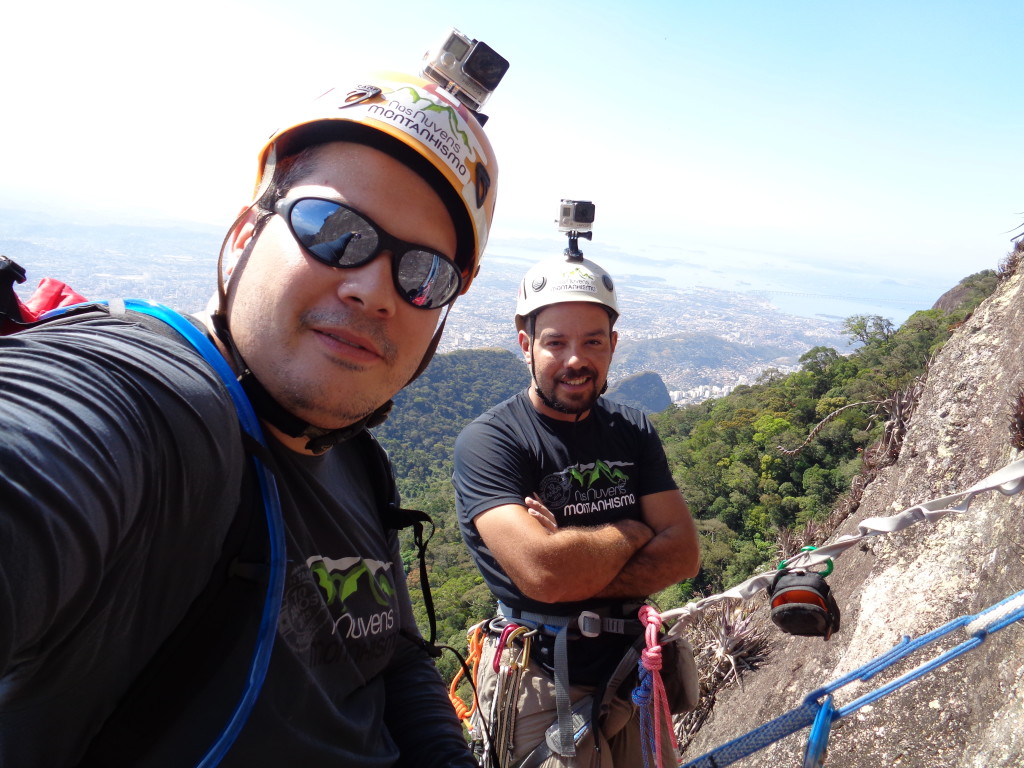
643,698
810,709
907,646
758,739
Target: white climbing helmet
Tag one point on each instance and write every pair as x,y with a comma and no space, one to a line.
564,279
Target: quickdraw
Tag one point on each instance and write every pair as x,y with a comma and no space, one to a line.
506,693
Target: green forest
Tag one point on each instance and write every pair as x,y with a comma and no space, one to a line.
766,469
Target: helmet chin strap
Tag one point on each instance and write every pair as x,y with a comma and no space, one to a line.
549,402
318,439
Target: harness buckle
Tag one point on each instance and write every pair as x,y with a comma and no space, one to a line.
589,623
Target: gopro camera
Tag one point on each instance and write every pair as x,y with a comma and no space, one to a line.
468,69
576,216
576,220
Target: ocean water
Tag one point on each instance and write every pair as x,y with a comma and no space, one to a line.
801,287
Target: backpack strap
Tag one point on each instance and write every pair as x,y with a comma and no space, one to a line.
274,519
395,517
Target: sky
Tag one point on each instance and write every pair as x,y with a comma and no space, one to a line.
829,156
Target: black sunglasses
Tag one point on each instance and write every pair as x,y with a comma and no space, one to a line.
339,236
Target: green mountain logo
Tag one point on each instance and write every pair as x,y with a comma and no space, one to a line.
587,476
340,579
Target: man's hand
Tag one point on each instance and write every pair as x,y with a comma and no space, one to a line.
544,515
673,554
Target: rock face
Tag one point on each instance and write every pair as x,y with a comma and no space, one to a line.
969,712
951,299
645,391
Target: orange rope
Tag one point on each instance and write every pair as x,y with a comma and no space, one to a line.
475,640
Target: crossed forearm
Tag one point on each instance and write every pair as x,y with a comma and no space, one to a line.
666,550
576,563
653,567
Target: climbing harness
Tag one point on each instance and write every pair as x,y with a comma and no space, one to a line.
589,624
654,669
559,625
573,719
810,712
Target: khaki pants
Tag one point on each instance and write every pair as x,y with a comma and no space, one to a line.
618,737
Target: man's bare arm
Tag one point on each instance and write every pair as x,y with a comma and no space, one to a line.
556,565
673,554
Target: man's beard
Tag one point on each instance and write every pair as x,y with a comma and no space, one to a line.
576,405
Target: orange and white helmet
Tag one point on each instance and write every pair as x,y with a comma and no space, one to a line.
420,124
563,279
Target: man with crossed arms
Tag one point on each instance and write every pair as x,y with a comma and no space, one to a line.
567,504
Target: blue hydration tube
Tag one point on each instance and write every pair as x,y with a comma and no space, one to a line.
275,526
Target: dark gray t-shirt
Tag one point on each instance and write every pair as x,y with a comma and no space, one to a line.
120,472
119,455
356,691
590,472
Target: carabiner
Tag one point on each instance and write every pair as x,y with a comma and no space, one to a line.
829,565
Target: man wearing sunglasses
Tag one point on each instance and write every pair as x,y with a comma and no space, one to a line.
567,504
123,465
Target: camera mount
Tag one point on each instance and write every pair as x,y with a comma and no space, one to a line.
573,251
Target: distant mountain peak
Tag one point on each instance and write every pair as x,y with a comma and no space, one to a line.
645,391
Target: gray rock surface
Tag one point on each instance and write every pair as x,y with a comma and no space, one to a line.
968,713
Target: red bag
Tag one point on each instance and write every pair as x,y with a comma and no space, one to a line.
49,294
